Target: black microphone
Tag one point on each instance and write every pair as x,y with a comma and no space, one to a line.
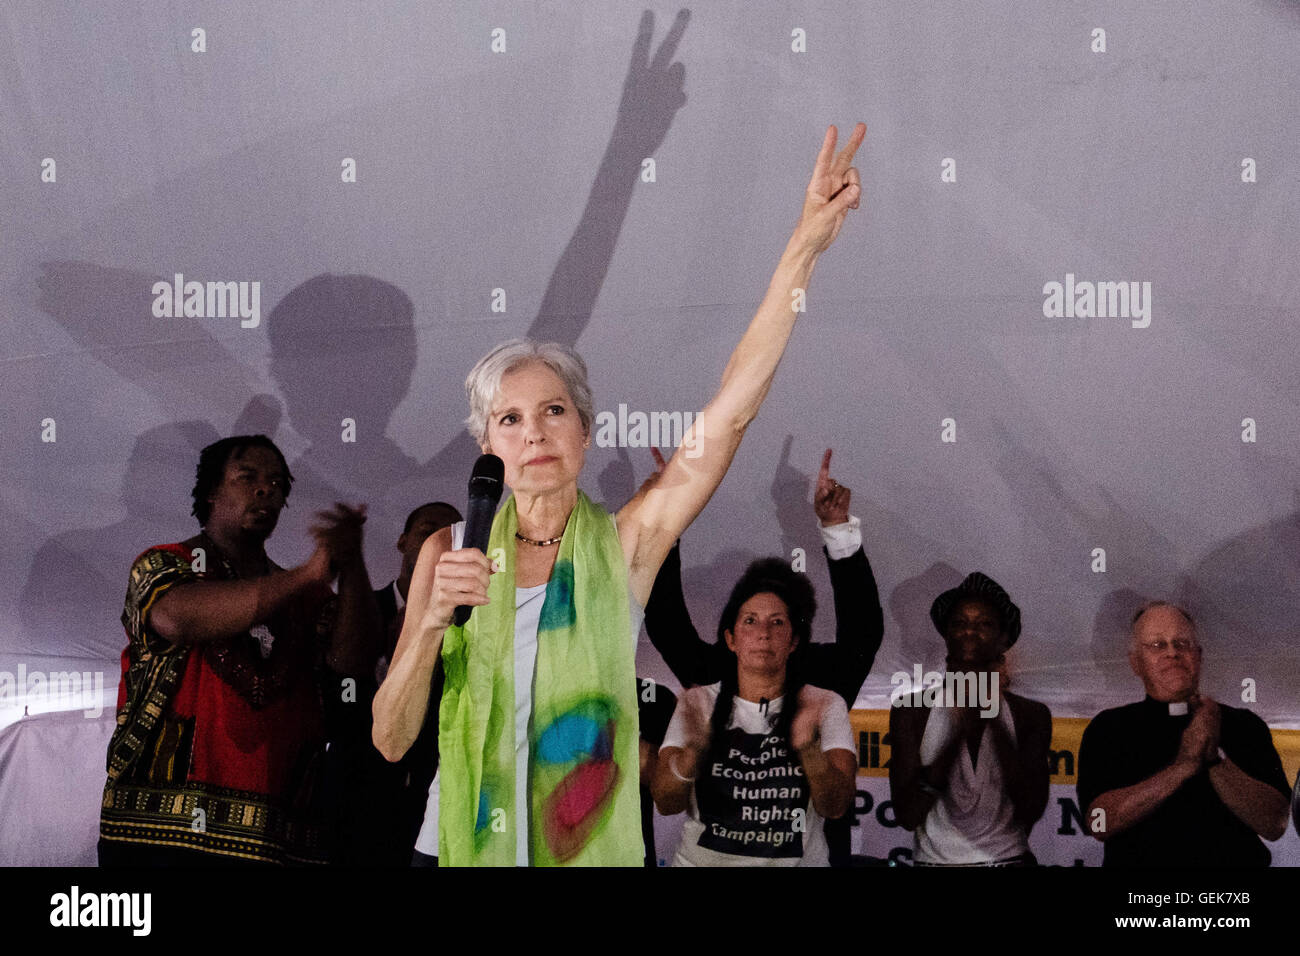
484,493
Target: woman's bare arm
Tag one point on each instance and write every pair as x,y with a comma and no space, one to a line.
442,579
656,516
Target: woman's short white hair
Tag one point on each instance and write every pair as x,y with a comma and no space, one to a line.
484,379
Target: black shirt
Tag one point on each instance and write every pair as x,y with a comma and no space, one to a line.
377,807
1193,827
841,667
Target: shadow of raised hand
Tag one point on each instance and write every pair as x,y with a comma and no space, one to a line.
653,92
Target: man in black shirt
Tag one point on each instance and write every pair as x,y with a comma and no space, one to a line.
1177,779
379,806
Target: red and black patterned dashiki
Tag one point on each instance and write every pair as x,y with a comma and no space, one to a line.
218,744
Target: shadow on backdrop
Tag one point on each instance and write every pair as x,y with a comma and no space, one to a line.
909,605
342,347
1247,604
72,601
178,363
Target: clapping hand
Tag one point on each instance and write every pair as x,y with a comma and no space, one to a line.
338,533
1208,713
696,727
1200,740
696,717
806,725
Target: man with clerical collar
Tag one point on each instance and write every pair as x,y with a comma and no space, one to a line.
1177,779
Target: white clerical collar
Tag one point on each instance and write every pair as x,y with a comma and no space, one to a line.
397,593
1178,708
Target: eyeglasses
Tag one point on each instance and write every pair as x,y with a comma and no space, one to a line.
1182,645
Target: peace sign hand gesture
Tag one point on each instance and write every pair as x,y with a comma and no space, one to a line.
834,189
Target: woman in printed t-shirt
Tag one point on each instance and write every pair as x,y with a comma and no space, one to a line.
759,759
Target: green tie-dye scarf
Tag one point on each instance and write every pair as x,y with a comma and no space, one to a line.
583,759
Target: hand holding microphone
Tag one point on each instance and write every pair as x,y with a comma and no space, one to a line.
462,576
460,582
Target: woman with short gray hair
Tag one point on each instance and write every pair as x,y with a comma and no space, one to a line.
538,720
484,379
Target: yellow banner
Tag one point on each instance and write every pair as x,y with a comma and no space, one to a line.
871,727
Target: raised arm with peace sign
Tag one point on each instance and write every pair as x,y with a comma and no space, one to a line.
657,514
835,188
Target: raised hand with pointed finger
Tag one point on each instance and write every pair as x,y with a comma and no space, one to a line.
830,499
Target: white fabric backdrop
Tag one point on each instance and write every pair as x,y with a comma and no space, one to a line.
524,171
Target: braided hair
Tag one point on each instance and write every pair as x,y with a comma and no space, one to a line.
212,469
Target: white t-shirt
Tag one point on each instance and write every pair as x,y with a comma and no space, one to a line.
528,614
759,811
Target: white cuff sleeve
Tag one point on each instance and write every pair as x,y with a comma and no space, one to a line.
842,540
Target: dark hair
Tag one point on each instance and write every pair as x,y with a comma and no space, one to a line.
766,576
773,575
444,510
212,468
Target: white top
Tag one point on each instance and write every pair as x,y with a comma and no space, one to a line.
973,821
528,614
756,782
